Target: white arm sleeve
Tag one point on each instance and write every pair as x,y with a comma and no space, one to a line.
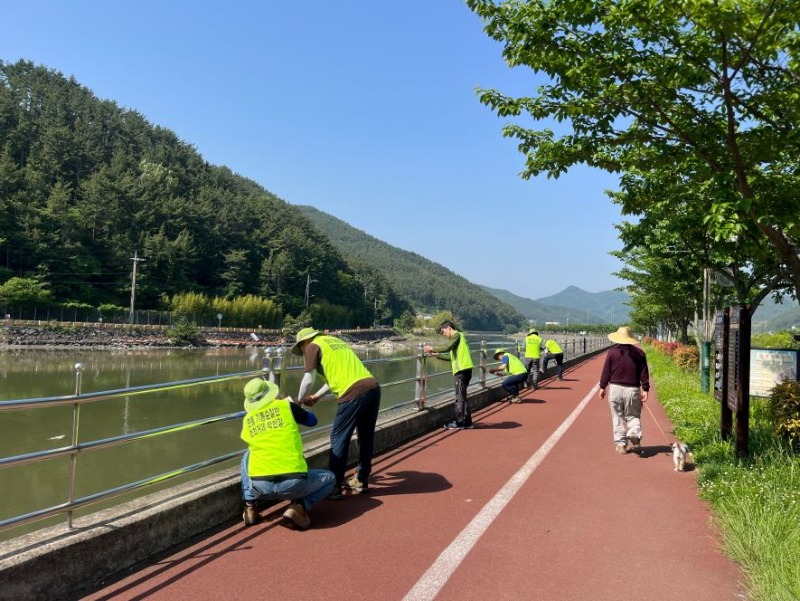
306,383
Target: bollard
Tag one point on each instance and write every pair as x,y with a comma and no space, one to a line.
705,366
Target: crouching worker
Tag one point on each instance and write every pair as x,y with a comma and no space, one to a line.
273,467
516,372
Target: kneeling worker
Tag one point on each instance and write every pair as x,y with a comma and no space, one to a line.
516,370
273,467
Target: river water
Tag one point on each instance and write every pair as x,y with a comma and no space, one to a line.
34,373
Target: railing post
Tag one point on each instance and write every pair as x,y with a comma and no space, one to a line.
483,364
73,457
422,379
276,368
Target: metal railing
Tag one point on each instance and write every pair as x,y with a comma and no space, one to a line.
272,367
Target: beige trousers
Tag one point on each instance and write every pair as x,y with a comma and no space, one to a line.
626,412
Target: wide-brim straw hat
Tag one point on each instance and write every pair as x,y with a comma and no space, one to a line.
499,352
302,336
258,392
623,335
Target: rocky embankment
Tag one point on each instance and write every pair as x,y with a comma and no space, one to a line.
124,335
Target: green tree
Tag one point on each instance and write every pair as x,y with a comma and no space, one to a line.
24,291
705,91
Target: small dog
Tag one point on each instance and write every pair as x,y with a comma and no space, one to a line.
680,454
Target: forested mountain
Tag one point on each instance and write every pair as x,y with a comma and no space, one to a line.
427,285
85,184
571,305
610,306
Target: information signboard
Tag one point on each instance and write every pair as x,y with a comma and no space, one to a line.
733,357
720,356
769,367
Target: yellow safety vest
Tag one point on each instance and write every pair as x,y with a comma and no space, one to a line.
274,440
552,347
460,358
515,366
340,365
533,346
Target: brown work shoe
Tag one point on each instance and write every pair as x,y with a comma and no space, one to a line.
250,515
298,514
620,448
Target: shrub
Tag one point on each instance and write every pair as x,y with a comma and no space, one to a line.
184,332
686,357
784,407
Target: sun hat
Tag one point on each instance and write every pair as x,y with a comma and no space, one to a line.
623,336
302,336
499,351
258,392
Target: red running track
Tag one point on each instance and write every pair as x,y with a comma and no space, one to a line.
532,504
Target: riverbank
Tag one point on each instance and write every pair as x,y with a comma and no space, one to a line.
110,335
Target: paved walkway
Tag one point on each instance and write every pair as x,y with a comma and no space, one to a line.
532,504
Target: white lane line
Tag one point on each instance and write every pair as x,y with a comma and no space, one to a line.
448,561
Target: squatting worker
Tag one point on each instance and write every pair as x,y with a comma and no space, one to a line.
533,354
358,395
513,369
273,466
626,376
458,353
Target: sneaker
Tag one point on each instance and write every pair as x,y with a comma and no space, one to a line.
514,399
454,425
250,515
620,448
357,485
297,513
335,494
636,443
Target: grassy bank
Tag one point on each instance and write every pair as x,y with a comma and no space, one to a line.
756,500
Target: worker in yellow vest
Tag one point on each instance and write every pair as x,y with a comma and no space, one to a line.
358,398
273,466
533,355
458,353
553,351
515,371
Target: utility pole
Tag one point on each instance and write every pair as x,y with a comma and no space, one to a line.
135,258
309,281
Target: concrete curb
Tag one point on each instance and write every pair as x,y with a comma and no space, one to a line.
58,563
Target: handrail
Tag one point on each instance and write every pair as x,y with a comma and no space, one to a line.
273,367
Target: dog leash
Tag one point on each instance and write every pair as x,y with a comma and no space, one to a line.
664,436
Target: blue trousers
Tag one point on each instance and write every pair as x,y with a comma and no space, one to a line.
512,383
356,415
308,491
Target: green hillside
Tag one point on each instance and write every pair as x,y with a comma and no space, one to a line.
427,285
85,184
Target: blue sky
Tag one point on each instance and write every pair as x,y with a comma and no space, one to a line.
363,109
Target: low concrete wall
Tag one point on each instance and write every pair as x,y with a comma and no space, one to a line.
58,563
